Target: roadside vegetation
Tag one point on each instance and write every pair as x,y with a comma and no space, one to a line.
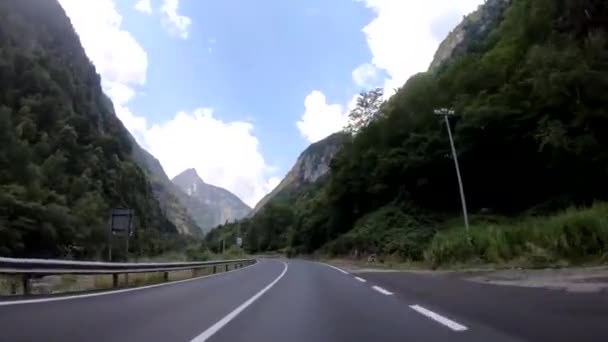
574,236
527,83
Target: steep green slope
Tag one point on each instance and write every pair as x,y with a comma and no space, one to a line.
64,156
531,133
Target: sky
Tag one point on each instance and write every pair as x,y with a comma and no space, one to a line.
237,89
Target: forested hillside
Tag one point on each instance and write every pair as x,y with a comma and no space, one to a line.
65,158
531,130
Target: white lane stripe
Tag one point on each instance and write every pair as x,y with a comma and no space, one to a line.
205,335
361,279
381,290
438,318
335,268
104,293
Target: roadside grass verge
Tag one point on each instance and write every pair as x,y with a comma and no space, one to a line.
11,285
574,236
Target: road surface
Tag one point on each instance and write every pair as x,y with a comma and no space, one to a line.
294,300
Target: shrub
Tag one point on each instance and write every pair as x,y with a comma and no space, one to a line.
575,235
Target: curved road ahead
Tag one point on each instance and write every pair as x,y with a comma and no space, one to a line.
296,300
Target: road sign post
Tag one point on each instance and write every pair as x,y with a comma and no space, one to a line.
121,222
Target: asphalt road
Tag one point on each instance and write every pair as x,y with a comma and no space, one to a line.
306,301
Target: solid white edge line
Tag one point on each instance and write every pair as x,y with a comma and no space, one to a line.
205,335
336,268
360,279
381,290
104,293
438,318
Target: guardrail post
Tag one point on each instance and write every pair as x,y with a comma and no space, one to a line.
13,287
166,276
214,269
115,279
226,268
26,284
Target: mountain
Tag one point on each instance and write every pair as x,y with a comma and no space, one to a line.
209,205
311,165
527,81
472,30
65,158
173,201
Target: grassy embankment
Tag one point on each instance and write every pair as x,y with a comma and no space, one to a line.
576,236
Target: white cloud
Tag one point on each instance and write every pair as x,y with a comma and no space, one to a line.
402,37
365,74
177,24
144,6
223,153
272,183
321,119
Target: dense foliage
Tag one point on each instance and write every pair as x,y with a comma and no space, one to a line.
531,133
64,156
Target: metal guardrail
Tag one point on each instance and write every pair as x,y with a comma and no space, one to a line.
29,268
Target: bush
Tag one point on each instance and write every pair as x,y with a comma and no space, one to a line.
574,235
198,253
387,231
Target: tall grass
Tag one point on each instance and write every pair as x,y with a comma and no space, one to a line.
572,236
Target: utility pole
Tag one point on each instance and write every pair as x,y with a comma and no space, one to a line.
446,113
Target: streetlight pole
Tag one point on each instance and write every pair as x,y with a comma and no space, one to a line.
446,113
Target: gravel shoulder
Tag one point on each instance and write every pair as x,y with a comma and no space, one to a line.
575,279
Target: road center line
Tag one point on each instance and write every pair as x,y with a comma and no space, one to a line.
438,318
360,279
110,292
336,268
205,335
381,290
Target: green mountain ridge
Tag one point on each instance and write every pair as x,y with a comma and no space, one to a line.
65,158
527,80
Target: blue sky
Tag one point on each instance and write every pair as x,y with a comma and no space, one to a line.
238,88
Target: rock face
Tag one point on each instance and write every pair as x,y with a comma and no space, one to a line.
311,165
209,205
471,31
173,201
